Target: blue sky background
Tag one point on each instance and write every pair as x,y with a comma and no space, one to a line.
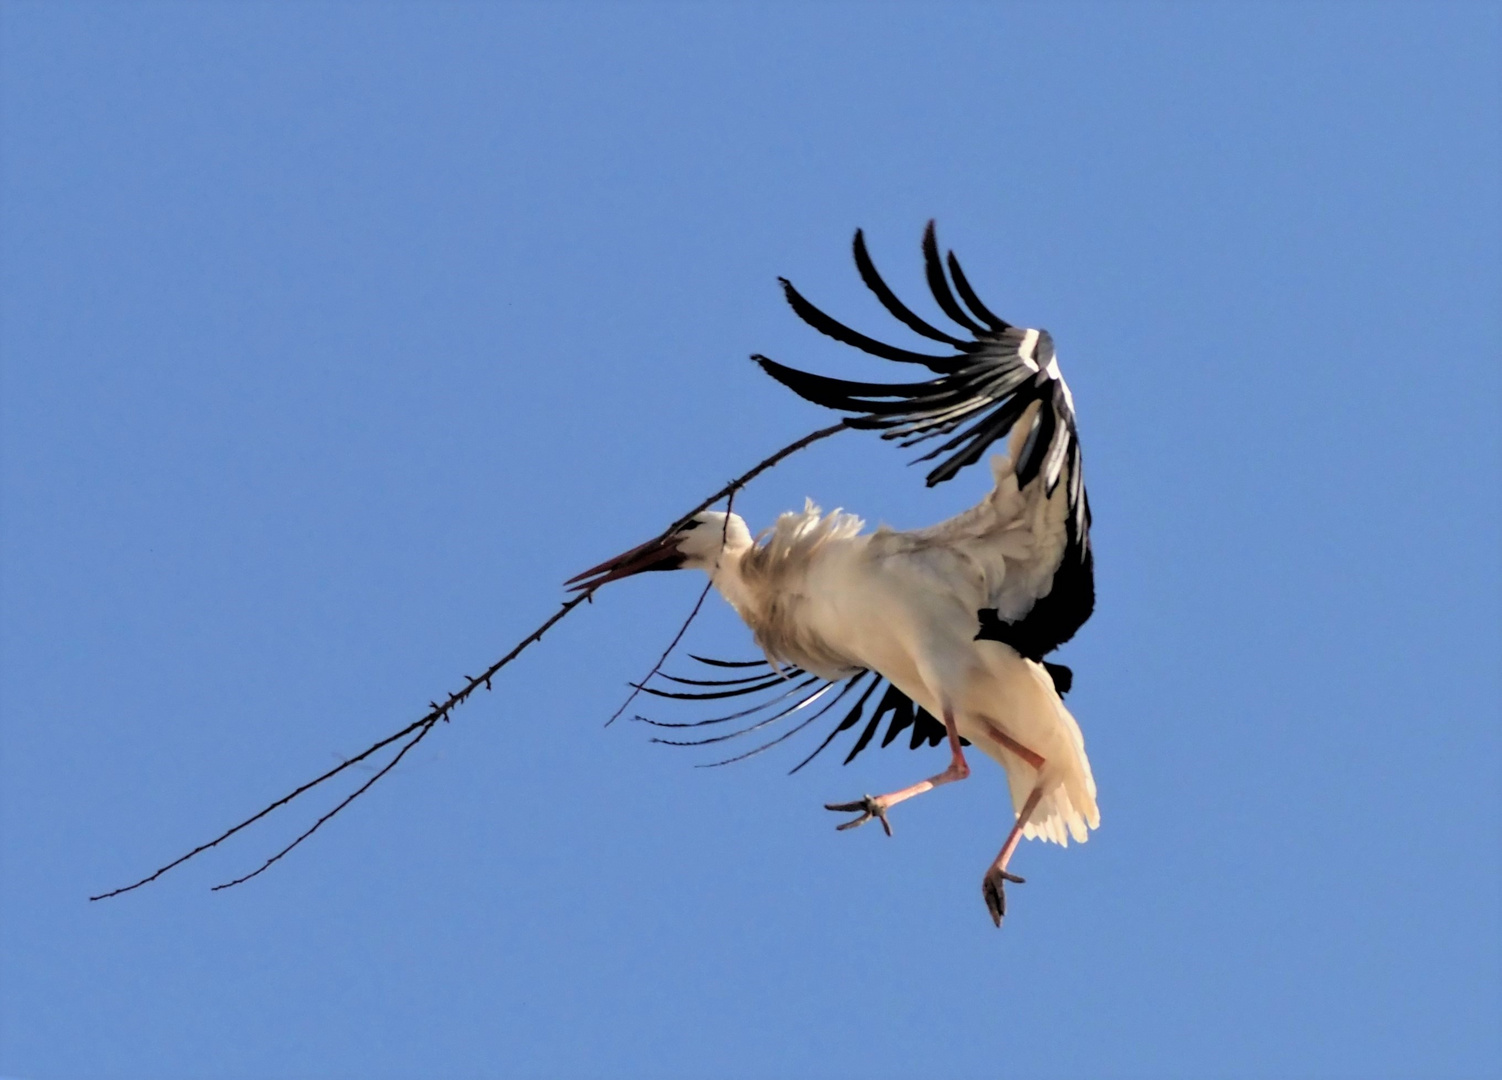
336,336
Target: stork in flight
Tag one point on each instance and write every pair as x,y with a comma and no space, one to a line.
956,618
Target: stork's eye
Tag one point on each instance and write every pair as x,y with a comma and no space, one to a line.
687,525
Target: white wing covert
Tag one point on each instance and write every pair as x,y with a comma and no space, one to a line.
1011,543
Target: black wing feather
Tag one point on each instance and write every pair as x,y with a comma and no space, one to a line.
886,704
831,703
842,333
729,663
1039,441
723,682
898,309
938,284
967,294
851,719
765,684
928,728
902,719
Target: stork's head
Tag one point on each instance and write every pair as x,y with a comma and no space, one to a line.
701,542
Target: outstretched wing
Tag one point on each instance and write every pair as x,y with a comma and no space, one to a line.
991,381
792,699
796,700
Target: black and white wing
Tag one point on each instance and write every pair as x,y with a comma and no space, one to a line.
787,701
983,388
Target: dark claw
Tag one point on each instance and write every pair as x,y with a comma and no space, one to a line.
993,888
869,809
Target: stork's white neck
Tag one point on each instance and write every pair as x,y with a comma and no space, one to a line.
730,582
717,546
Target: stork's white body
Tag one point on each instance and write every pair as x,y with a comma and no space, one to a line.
821,595
956,617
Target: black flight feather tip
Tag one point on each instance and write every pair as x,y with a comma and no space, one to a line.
898,309
938,284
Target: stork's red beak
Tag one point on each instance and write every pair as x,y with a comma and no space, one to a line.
659,553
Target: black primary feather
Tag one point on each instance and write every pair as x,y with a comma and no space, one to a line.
851,719
712,695
973,302
899,310
902,719
889,702
840,332
938,284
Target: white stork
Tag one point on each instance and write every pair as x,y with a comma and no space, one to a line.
957,617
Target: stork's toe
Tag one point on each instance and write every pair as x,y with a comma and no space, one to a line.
993,888
869,808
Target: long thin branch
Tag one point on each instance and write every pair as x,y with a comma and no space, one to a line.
438,711
351,797
745,478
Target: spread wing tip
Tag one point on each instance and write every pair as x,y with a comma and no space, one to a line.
988,384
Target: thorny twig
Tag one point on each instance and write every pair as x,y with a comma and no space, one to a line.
351,797
441,711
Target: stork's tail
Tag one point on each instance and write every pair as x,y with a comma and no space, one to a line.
1067,808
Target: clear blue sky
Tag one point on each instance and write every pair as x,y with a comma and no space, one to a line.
335,336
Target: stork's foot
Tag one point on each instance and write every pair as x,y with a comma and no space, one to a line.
993,888
869,807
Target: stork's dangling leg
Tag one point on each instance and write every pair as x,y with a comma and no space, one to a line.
993,885
876,806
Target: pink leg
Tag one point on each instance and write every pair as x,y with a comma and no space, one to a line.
996,875
877,806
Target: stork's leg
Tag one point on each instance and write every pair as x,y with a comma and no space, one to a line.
993,884
876,806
